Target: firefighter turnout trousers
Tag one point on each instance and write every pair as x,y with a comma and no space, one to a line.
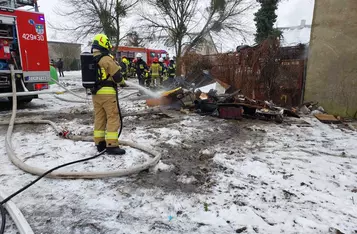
107,119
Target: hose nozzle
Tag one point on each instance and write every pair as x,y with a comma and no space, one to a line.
64,134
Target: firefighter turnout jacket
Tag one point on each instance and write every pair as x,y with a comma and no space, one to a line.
163,68
171,70
109,74
156,70
124,67
141,66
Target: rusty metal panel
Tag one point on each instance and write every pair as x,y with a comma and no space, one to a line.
265,72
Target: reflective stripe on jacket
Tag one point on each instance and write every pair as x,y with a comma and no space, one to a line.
141,66
156,69
172,69
108,67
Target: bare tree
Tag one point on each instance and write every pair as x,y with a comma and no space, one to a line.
67,52
89,17
188,20
171,17
223,15
133,39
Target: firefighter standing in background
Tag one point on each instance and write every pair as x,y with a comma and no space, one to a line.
141,69
155,71
59,65
124,64
133,67
147,78
105,97
171,70
163,70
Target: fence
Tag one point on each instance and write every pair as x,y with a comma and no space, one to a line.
265,72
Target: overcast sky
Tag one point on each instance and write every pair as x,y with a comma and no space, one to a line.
290,13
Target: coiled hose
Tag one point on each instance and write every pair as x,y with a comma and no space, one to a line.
71,175
64,175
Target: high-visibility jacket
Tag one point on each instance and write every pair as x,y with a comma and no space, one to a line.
156,69
107,68
171,70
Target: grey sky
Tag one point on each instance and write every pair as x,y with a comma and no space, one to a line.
290,13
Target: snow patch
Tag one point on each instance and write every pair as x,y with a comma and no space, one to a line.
186,180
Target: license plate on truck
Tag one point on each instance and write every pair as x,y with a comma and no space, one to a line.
37,79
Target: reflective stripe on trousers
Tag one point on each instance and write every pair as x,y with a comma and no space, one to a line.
107,119
111,136
99,134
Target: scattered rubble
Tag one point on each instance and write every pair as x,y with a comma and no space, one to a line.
225,106
314,109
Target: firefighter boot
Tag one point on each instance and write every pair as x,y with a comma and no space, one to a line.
101,146
115,150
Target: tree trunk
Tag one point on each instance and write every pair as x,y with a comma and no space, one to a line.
117,39
178,58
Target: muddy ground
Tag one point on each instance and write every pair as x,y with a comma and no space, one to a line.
215,176
186,157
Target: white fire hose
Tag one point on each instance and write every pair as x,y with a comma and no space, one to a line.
67,175
16,215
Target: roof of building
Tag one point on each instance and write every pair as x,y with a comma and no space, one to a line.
64,42
295,35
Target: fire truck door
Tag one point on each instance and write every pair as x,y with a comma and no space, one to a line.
33,46
6,37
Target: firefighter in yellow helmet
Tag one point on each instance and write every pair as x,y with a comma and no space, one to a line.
105,97
125,67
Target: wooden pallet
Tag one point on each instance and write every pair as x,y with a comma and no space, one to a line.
325,118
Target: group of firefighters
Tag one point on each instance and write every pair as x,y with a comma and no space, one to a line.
109,74
154,76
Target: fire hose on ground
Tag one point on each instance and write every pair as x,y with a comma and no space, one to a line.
21,223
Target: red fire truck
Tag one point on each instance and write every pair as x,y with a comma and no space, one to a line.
148,54
23,43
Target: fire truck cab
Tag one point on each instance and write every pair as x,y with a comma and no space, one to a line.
23,43
148,54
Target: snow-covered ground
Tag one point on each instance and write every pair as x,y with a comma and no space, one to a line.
216,176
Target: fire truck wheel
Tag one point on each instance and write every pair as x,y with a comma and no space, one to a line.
23,100
26,100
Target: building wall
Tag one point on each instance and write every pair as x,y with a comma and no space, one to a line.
332,67
69,52
207,46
